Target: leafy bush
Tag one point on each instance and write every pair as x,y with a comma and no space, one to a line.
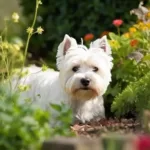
130,75
26,126
23,126
135,95
61,121
75,18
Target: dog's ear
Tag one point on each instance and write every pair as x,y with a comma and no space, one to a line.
66,44
64,47
103,44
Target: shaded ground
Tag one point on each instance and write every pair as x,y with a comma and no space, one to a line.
96,128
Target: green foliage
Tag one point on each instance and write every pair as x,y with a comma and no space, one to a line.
75,18
130,76
135,95
62,120
22,126
26,126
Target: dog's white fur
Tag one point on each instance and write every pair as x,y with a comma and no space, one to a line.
66,86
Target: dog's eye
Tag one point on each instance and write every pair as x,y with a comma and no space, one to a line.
95,69
75,68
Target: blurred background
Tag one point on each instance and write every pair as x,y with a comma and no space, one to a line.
57,18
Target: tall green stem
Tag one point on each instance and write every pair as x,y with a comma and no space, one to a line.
118,30
30,34
28,40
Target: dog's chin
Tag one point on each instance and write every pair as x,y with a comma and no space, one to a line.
85,94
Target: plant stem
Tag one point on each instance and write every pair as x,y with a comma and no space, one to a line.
5,59
118,30
28,41
30,34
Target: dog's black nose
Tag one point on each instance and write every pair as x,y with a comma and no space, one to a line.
85,81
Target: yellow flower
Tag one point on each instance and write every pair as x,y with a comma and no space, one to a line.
23,73
16,46
141,25
144,28
148,25
136,26
23,88
127,35
148,15
114,44
30,30
44,68
39,30
39,2
5,45
132,30
15,17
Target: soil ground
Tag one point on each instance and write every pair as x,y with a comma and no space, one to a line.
96,128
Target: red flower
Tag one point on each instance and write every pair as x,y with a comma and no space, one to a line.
143,143
88,37
104,33
134,42
117,22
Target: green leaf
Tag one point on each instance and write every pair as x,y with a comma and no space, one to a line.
146,57
113,36
56,107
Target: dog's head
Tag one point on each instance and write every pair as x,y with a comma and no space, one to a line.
85,72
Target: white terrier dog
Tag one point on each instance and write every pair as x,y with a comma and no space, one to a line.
83,77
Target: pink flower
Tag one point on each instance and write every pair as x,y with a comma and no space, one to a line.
117,22
143,142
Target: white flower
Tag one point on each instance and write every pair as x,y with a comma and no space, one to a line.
15,17
39,2
39,30
30,30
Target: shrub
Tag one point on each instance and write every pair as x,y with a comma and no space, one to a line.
26,126
135,95
23,126
130,75
61,121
